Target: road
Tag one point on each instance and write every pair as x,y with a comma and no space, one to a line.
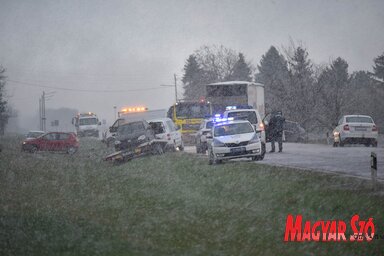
349,160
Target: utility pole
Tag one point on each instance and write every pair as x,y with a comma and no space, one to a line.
43,119
171,85
174,75
40,116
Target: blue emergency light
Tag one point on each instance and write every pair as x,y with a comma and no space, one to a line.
221,120
230,107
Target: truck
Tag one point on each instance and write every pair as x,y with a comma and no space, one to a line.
188,115
236,93
86,124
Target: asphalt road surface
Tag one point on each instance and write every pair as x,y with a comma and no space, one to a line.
349,160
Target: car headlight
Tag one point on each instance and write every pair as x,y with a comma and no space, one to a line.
24,142
217,143
255,139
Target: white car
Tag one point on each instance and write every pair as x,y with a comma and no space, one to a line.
253,116
355,129
201,136
166,129
233,139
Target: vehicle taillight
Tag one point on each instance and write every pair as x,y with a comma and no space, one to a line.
169,136
346,127
261,125
374,128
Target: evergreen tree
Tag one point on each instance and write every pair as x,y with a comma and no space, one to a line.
3,103
211,64
336,96
273,73
302,93
193,79
378,68
366,95
241,71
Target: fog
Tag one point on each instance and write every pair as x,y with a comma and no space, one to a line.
94,55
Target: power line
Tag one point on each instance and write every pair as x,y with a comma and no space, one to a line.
81,90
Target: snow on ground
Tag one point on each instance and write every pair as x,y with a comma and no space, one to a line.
350,160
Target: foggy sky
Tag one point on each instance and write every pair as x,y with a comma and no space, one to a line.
129,45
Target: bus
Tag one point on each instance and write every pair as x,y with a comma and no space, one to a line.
188,115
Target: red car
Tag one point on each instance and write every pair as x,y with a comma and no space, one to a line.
52,141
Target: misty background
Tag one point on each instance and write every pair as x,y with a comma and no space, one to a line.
94,55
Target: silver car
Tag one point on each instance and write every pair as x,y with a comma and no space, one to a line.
201,136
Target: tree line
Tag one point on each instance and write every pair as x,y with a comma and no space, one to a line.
314,95
4,110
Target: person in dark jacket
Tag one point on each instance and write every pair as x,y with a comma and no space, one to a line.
276,127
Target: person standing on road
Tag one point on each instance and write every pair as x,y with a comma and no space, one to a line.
276,126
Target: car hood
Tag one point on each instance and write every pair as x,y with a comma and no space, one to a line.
28,140
237,138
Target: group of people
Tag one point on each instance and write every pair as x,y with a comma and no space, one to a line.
275,130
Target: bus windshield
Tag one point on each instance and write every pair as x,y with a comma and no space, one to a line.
192,110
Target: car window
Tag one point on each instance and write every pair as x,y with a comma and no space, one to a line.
209,125
231,129
34,134
244,115
171,126
131,128
138,126
359,119
64,136
158,127
125,129
50,136
341,121
290,126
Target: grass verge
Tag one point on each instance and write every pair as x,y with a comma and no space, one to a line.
174,204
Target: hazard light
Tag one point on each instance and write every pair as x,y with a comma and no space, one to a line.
133,109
